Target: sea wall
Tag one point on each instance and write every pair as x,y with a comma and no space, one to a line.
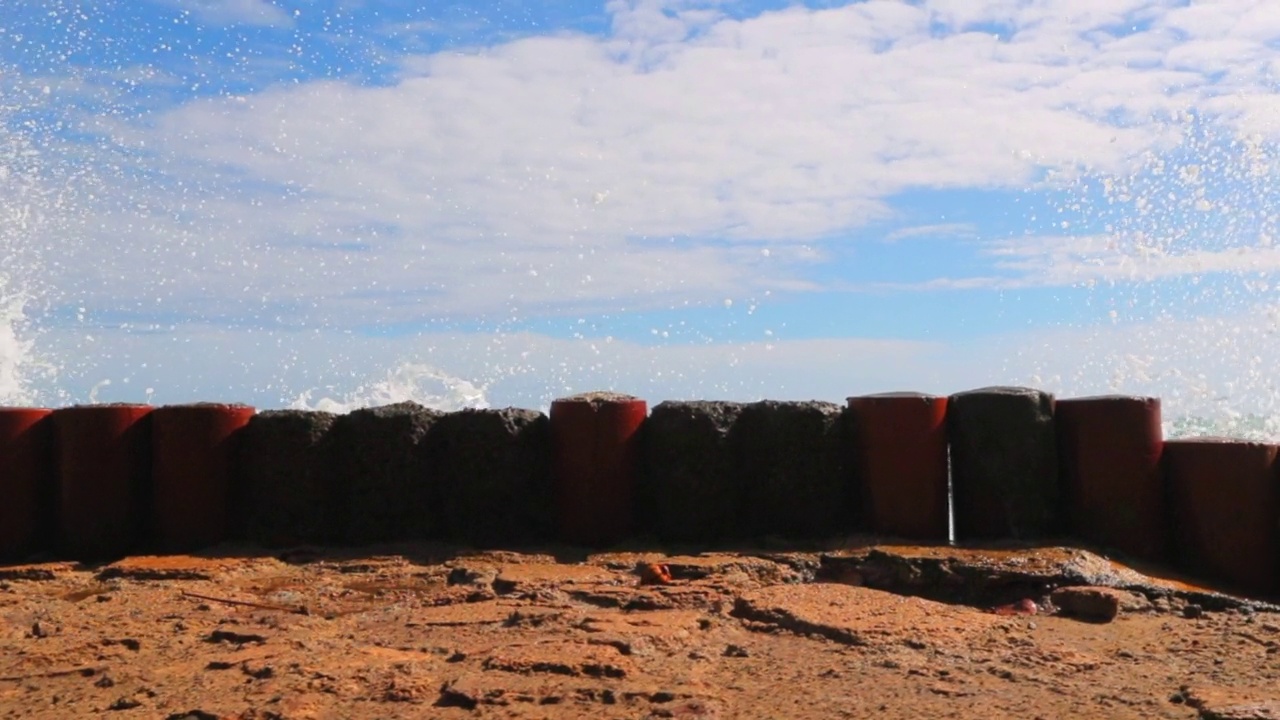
1004,463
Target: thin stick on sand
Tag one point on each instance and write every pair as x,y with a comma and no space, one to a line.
295,609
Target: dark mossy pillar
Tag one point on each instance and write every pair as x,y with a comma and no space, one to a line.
284,481
1004,464
493,468
691,490
387,485
791,458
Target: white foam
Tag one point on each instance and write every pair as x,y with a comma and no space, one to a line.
24,211
1182,264
15,351
416,382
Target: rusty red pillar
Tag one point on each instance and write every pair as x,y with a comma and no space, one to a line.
26,481
1109,448
900,462
1225,508
595,458
103,457
192,452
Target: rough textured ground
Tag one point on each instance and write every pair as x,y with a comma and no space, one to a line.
426,631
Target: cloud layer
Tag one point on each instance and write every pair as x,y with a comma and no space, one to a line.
685,157
234,12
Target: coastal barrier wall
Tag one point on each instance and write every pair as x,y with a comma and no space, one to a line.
95,482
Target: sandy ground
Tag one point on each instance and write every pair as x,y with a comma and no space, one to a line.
428,631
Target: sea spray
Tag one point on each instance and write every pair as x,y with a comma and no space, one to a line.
1177,253
27,204
15,352
409,382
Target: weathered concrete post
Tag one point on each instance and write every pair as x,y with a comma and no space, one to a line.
900,462
1004,464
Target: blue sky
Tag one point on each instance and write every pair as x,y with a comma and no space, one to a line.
338,202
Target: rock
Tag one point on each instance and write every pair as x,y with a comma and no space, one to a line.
1266,710
234,638
124,703
257,670
1025,606
486,612
1097,604
862,616
162,567
1224,703
34,572
1004,464
561,658
531,577
654,574
689,490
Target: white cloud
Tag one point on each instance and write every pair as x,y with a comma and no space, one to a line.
1215,367
686,158
275,368
1066,261
235,12
1086,261
573,171
940,230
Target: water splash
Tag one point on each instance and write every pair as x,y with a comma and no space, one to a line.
15,352
1178,260
416,382
1251,427
26,207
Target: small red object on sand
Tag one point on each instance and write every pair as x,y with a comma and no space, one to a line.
655,574
1025,606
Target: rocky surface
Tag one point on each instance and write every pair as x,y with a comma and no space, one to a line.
424,630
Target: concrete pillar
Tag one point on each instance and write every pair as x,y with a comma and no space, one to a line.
900,464
104,473
493,468
285,489
1225,508
1109,449
595,465
691,491
387,487
791,459
1004,464
193,451
26,481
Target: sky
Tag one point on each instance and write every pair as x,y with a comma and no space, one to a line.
329,203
